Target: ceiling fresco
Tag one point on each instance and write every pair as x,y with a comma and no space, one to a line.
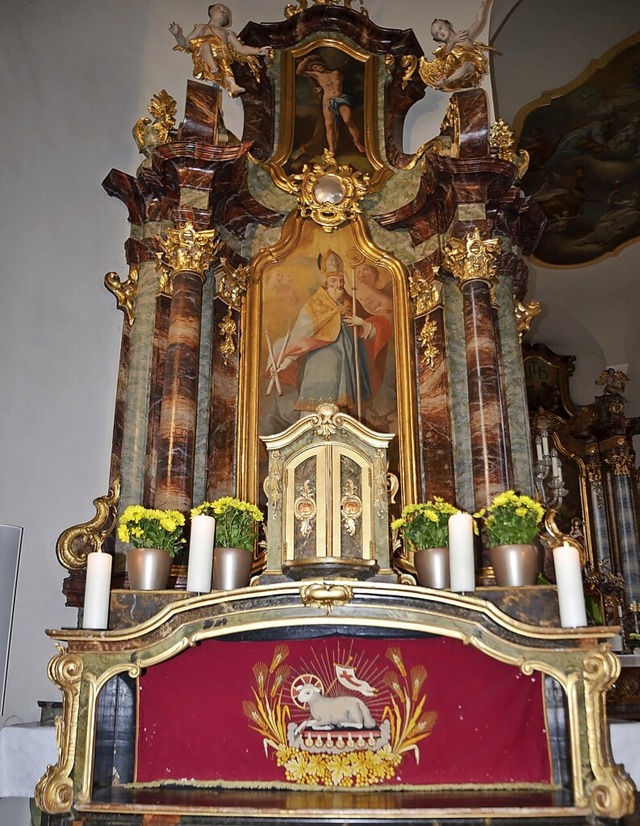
584,143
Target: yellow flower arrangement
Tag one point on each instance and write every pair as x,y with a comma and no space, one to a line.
426,525
511,519
151,528
236,521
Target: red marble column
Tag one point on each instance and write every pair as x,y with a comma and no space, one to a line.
473,261
186,257
488,437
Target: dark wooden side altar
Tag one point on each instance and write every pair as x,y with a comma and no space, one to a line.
229,240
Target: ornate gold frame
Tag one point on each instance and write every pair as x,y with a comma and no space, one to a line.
578,659
276,165
247,462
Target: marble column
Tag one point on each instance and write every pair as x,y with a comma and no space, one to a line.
597,509
473,262
185,258
618,458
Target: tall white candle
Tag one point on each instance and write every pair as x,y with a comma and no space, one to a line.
461,556
203,530
97,590
566,559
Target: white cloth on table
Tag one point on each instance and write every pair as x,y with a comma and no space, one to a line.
26,750
625,746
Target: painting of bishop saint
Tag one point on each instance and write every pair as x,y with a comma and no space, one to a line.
327,336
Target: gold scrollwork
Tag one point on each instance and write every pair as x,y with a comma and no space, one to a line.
231,283
426,339
525,313
620,462
92,534
326,595
227,329
147,133
501,145
424,292
381,482
409,62
272,485
328,193
554,537
124,291
305,508
186,249
472,258
612,791
325,419
350,507
290,10
54,791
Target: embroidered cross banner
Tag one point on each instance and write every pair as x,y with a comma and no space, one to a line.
341,712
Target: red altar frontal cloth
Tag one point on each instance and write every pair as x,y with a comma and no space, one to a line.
417,712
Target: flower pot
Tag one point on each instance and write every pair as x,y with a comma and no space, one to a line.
148,569
231,568
514,565
432,567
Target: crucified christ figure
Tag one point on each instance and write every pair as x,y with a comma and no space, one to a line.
336,103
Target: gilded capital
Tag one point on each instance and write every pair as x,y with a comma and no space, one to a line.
472,258
186,249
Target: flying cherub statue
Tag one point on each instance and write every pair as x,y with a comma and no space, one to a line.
214,48
460,61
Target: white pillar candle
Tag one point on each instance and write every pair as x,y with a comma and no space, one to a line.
461,556
203,530
566,559
97,590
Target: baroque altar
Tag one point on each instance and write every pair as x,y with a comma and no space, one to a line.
322,324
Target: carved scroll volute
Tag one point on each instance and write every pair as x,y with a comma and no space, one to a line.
54,791
612,792
76,542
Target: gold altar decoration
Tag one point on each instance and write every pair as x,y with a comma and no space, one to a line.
231,283
290,10
185,249
426,339
425,292
472,258
149,134
54,791
297,251
76,542
330,474
525,313
578,660
501,145
329,193
227,329
125,292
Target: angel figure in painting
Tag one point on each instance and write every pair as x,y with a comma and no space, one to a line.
459,61
214,48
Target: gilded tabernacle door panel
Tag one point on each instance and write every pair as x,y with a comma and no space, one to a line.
328,317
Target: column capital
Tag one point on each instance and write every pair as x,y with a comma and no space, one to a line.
186,249
472,258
